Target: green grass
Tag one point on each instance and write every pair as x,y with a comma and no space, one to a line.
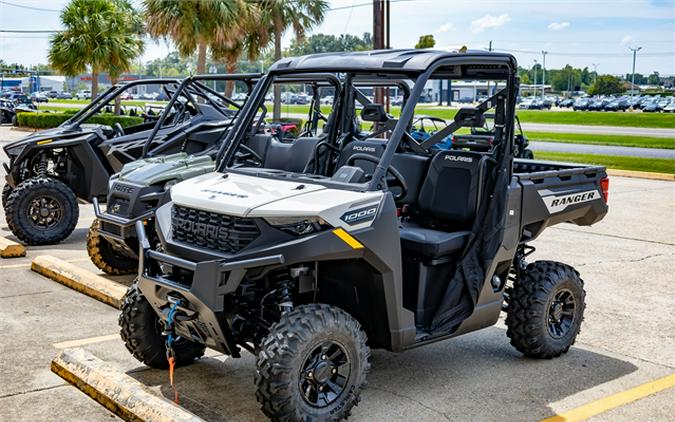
140,103
586,118
589,118
593,139
657,165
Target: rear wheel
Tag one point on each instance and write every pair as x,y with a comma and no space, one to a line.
312,365
545,310
141,331
42,211
104,255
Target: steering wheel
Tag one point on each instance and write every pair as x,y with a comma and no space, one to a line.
249,156
398,177
119,130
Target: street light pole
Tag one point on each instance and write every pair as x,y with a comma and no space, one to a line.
595,72
534,89
543,76
634,50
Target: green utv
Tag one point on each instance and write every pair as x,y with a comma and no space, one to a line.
142,185
350,240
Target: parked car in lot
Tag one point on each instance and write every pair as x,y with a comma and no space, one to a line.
84,94
581,104
64,95
651,107
566,103
39,97
617,105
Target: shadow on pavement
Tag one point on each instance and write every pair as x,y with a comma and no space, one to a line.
475,377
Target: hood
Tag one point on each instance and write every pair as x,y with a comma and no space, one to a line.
180,166
235,194
250,196
54,134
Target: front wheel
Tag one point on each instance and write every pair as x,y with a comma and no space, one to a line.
103,254
312,365
141,331
545,309
42,211
6,191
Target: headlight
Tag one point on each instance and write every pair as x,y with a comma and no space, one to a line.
298,225
15,151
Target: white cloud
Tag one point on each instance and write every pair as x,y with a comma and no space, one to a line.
489,21
444,28
557,26
627,40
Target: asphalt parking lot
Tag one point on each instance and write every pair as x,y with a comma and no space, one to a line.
627,340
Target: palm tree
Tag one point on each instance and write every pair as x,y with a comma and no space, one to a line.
103,35
248,36
194,25
301,15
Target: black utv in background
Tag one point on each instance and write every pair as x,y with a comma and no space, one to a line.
360,240
50,170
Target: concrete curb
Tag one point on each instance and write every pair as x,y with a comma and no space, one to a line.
642,175
83,281
115,390
11,249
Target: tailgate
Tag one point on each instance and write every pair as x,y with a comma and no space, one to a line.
554,193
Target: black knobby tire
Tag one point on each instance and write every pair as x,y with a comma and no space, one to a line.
311,334
24,200
141,331
545,309
528,154
6,191
104,256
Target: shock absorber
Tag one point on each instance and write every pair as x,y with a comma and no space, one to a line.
42,166
284,292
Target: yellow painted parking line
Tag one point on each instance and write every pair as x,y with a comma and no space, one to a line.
612,402
85,341
348,238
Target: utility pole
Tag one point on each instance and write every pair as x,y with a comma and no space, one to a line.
595,72
534,89
543,74
634,50
380,36
488,82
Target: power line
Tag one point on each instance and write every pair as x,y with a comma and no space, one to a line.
579,54
22,6
30,31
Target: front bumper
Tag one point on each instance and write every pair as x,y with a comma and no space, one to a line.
115,227
202,314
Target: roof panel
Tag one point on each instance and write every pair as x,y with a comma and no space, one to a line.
410,60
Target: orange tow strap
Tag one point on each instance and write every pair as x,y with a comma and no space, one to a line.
172,364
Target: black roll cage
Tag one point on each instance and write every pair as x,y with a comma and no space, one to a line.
103,99
420,79
194,85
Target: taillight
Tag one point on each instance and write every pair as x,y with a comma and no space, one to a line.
604,185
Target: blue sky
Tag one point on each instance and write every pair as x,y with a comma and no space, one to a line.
576,32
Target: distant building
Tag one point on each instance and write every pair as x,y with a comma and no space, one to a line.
471,91
34,83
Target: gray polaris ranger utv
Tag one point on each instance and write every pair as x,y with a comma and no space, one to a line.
385,243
